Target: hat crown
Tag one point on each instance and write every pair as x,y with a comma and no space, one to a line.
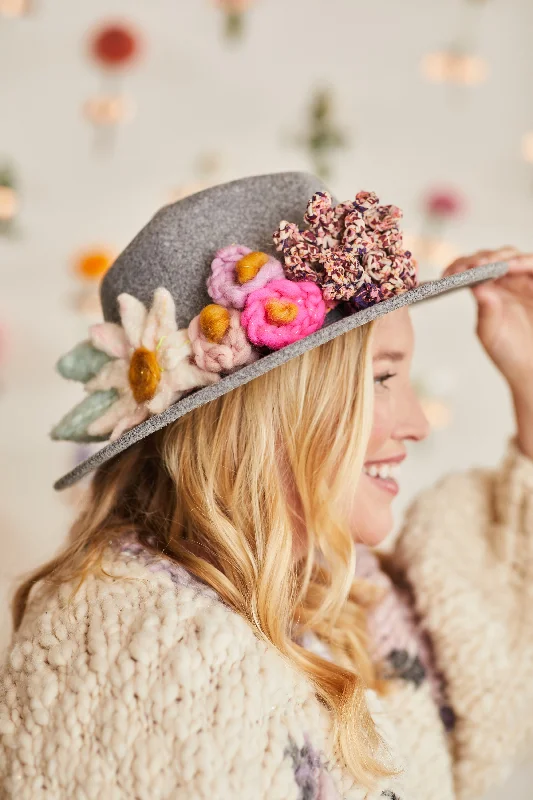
176,248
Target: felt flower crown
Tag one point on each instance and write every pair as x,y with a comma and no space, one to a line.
350,254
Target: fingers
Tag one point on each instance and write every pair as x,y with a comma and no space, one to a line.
486,295
522,262
482,257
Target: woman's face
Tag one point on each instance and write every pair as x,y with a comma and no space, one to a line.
398,417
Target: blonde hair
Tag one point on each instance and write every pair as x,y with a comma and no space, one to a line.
213,490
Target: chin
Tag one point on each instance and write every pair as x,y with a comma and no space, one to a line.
372,515
374,532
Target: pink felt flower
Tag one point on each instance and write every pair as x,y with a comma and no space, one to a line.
223,284
234,350
283,312
150,365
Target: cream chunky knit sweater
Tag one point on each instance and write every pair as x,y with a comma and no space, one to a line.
147,686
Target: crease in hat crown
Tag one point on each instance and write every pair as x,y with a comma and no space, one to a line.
220,287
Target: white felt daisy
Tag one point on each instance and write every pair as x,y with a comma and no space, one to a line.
150,368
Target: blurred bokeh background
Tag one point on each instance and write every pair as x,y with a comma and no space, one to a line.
113,108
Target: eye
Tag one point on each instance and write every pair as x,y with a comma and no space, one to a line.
382,379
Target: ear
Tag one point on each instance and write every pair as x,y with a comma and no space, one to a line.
82,363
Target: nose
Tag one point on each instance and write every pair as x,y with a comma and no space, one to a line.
412,421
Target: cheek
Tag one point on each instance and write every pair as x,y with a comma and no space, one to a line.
371,514
381,428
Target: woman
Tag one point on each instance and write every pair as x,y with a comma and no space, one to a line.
217,625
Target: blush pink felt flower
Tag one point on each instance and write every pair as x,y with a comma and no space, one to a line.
232,280
232,351
150,365
283,312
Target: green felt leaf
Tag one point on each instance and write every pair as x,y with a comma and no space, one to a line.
82,363
73,426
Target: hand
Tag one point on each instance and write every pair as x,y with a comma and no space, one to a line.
505,314
505,328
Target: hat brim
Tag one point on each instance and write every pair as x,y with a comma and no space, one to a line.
333,328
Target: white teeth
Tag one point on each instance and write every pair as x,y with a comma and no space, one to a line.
383,471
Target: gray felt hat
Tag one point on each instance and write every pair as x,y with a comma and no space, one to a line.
175,250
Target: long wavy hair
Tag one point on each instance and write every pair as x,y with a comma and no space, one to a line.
223,491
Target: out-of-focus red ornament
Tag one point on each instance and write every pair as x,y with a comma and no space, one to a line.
431,247
115,45
444,203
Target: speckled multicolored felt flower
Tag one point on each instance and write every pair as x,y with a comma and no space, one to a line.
283,312
150,366
348,247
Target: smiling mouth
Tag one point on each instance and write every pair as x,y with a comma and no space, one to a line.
384,476
382,471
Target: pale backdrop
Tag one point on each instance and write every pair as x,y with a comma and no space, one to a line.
245,105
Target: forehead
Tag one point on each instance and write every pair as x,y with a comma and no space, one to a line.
393,333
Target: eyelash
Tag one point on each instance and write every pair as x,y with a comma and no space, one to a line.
382,379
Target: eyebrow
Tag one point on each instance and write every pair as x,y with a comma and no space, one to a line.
389,355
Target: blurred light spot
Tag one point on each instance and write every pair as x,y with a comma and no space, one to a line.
107,110
438,413
14,8
432,251
92,264
449,66
9,203
527,146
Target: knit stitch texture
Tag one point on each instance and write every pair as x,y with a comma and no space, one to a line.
147,686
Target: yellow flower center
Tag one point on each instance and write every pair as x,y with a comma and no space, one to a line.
214,322
144,375
248,267
280,312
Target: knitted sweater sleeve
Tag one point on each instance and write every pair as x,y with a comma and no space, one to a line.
141,688
467,551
